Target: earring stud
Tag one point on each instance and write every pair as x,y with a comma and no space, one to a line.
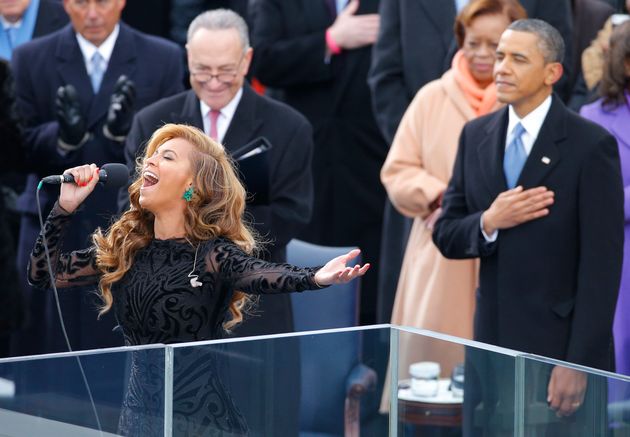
188,194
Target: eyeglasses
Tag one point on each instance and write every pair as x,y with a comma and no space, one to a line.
203,75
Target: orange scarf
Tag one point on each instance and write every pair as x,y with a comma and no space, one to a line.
481,100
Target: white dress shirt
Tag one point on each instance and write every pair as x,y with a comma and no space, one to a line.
340,5
460,4
105,49
532,123
224,119
6,24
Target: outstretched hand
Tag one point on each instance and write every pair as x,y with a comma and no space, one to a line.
336,272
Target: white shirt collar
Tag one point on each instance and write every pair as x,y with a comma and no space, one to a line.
460,4
7,24
532,123
105,49
341,4
227,113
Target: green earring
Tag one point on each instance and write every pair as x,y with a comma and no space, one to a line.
188,194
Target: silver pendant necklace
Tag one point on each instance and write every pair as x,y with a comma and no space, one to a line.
194,279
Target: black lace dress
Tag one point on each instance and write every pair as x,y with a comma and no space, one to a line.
155,302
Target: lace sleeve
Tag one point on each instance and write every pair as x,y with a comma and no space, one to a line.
73,269
255,276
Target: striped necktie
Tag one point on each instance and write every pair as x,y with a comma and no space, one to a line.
98,71
213,115
515,157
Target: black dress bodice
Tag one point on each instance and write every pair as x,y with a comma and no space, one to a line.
156,302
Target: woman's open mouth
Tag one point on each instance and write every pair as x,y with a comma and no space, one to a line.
149,179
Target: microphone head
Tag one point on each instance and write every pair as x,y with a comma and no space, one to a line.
114,174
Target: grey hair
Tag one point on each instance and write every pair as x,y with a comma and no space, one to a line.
550,41
220,19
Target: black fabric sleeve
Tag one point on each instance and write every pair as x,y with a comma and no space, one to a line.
255,276
457,232
70,270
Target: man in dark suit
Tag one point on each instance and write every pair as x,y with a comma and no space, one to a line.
23,20
243,116
416,45
536,193
316,54
77,90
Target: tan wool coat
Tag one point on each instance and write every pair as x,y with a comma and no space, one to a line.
433,293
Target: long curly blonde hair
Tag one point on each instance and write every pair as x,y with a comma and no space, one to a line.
216,209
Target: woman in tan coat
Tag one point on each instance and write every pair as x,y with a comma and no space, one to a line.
435,293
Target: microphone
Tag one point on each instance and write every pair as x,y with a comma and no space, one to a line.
110,175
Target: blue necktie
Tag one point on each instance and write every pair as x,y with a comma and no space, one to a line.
98,70
515,157
11,36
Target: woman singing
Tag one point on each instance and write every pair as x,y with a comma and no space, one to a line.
178,265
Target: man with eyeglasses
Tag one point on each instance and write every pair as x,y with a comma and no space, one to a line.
228,110
77,90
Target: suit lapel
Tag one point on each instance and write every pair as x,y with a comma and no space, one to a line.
490,151
71,67
50,17
545,153
121,62
190,113
245,124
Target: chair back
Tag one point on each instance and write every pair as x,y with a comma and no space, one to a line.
325,361
334,307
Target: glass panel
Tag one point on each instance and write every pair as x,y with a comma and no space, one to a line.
565,399
452,387
47,395
288,385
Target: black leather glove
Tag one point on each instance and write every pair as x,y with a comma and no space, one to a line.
120,113
72,129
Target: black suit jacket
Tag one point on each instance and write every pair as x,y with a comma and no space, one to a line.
290,134
548,286
289,43
290,57
51,16
416,44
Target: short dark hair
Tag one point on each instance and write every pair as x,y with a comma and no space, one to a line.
550,41
512,10
614,79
